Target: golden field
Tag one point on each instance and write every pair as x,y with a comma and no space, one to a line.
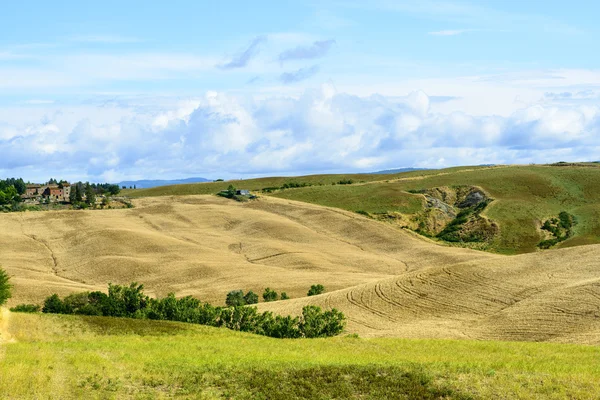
389,282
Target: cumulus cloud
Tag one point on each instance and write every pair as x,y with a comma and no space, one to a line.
223,135
244,57
316,50
299,75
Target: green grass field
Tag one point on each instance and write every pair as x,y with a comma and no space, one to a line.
66,357
260,183
524,196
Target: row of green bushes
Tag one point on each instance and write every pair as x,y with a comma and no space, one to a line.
238,298
294,185
130,301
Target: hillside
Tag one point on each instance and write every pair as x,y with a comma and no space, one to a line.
521,199
207,246
260,183
70,357
389,282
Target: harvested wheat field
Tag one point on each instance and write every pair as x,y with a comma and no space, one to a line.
387,281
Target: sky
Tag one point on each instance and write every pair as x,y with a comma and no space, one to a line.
154,90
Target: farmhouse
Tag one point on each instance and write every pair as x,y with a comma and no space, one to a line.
36,193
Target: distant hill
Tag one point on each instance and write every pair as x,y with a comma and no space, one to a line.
397,171
146,184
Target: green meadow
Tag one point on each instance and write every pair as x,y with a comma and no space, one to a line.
68,357
524,196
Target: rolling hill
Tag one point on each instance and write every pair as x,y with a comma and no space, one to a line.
389,282
523,197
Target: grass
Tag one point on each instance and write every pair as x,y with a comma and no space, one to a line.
260,183
94,357
373,198
524,196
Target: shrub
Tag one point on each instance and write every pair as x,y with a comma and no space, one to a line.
126,301
316,323
251,297
228,193
5,287
27,308
284,296
53,305
74,302
130,301
270,295
345,182
235,298
315,290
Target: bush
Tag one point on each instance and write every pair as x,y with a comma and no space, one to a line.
251,297
130,301
53,305
26,308
345,182
316,323
315,290
284,296
5,287
270,295
235,298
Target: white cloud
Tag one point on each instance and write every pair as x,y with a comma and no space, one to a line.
320,130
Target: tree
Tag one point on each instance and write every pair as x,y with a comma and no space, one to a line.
251,297
114,189
53,305
78,194
90,195
315,290
284,296
235,298
316,323
270,295
72,195
5,287
9,195
231,191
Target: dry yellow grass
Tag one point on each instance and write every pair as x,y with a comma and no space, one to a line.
387,281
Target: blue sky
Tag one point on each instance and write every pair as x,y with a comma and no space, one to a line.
128,90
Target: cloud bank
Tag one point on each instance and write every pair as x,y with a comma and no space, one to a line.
220,135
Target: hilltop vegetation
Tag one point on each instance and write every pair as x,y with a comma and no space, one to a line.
97,357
